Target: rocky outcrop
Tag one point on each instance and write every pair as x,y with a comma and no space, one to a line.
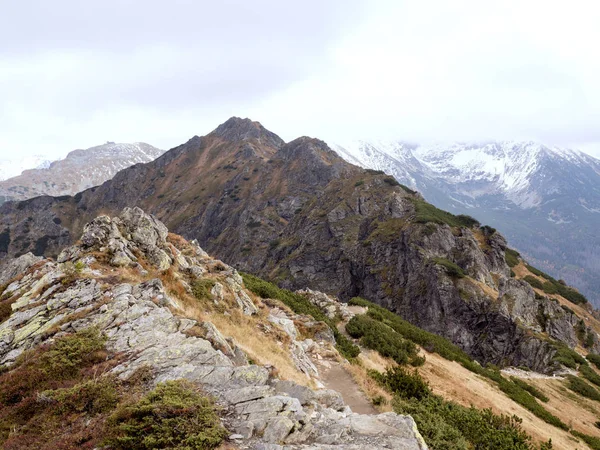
146,325
18,266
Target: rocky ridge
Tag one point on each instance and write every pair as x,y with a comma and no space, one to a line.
111,280
297,214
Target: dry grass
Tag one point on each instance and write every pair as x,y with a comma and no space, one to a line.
577,411
471,389
371,360
263,347
481,240
484,288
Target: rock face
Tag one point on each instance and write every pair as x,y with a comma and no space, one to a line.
147,326
80,170
544,199
300,215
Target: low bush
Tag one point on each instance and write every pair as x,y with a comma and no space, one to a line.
434,343
449,426
379,337
579,386
391,181
533,282
90,397
174,415
567,356
594,359
426,212
553,286
403,383
201,288
592,441
300,305
512,257
531,389
589,374
525,399
487,230
452,269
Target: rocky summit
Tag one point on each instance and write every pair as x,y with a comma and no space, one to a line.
299,215
150,295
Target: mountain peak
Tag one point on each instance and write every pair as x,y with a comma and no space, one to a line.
238,129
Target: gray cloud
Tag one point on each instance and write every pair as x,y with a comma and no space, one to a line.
73,74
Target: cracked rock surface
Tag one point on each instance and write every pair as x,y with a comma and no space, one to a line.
146,325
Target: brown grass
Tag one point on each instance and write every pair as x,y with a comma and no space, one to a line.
371,360
454,382
265,348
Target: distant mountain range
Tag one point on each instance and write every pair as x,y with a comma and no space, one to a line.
546,200
13,167
81,169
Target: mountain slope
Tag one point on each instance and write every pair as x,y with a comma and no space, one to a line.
124,343
545,200
300,215
81,169
11,168
135,336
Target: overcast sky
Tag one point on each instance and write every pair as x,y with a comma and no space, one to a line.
74,73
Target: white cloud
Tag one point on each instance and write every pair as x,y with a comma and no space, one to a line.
421,71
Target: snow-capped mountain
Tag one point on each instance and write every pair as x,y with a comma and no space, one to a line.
79,170
546,200
11,168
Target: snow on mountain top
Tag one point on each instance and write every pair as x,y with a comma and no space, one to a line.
505,167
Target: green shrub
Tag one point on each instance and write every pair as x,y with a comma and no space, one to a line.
174,415
359,183
403,383
553,286
579,386
426,212
91,397
434,343
379,337
300,305
567,356
429,341
391,181
533,282
592,441
589,374
69,354
452,269
512,257
531,389
468,221
538,272
549,288
345,346
449,426
487,230
594,359
378,400
525,399
202,287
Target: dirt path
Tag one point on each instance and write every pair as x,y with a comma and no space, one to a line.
334,376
